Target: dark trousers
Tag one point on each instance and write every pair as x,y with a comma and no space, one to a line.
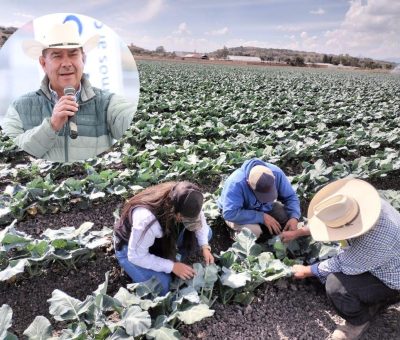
279,213
357,298
260,230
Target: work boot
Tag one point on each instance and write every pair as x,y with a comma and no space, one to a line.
349,331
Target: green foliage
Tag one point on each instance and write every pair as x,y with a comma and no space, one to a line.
200,123
5,323
66,245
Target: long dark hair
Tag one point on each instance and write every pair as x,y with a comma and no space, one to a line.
158,200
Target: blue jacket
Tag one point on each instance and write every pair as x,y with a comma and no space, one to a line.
240,205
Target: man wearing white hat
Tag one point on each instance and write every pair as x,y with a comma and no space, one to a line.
40,122
365,276
259,196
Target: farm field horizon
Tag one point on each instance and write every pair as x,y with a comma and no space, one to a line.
200,122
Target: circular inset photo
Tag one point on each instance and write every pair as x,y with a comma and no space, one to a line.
69,87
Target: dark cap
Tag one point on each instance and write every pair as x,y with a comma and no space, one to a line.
188,201
262,182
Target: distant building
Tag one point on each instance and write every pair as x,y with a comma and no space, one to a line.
190,55
244,58
193,55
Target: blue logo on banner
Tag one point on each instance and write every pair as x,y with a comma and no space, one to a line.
76,20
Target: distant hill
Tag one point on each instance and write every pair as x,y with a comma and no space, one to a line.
295,58
300,57
138,50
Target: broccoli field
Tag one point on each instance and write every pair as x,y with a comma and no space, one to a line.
58,274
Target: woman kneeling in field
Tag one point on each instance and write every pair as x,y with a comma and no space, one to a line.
153,224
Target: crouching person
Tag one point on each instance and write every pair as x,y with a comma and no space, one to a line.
365,276
259,196
153,224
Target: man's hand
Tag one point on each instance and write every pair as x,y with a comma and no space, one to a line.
287,236
291,224
290,235
65,108
272,224
208,258
183,271
301,272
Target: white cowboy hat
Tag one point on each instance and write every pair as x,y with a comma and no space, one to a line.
343,209
64,35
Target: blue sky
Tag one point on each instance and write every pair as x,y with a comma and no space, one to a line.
363,28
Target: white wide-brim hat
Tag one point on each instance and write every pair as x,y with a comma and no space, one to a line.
63,36
343,209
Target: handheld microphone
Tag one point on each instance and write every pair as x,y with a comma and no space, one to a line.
73,127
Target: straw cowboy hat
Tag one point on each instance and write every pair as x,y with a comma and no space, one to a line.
64,35
344,209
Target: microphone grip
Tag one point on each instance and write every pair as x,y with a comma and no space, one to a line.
73,128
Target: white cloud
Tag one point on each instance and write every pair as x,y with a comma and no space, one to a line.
130,13
318,11
174,42
252,43
370,29
302,42
16,19
182,29
152,8
222,31
24,15
306,26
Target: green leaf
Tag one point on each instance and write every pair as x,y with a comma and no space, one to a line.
195,313
135,321
163,333
64,307
244,298
234,280
227,259
120,334
39,329
210,275
5,320
246,243
77,331
190,294
198,280
126,298
142,289
10,336
15,267
38,248
374,145
264,259
83,228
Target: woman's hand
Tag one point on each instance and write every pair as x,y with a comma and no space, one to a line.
183,271
208,258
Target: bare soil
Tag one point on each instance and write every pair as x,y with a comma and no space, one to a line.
282,310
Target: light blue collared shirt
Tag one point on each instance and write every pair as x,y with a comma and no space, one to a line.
377,251
54,95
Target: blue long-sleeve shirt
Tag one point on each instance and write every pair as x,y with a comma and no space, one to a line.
239,204
377,251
